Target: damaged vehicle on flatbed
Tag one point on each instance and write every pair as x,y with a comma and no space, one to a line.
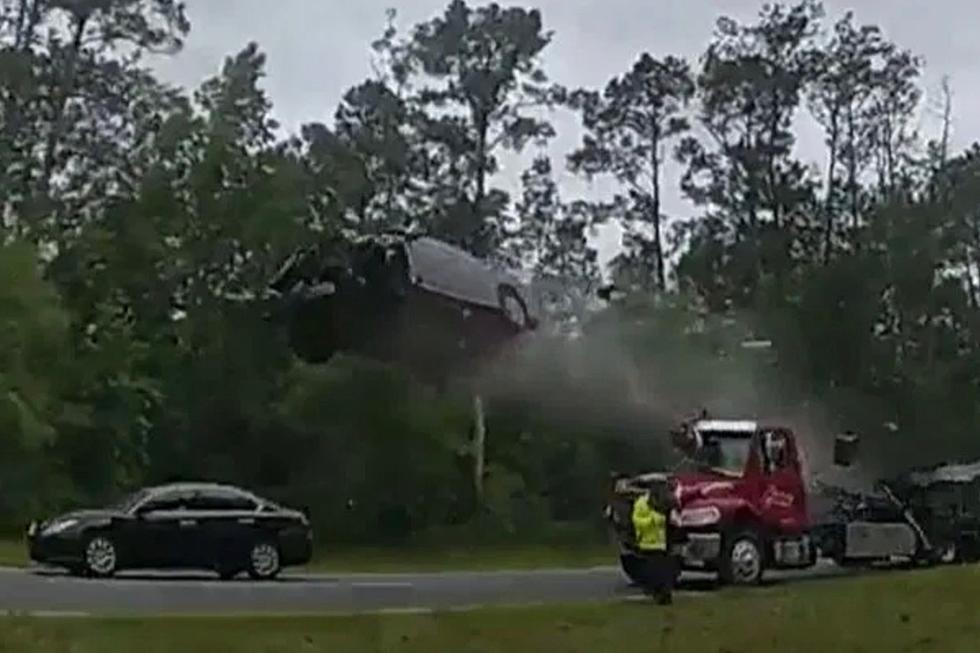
403,298
743,506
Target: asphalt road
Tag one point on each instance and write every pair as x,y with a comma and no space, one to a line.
49,592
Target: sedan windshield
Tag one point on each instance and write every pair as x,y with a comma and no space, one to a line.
724,453
130,502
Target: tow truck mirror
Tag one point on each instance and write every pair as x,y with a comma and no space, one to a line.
683,440
845,449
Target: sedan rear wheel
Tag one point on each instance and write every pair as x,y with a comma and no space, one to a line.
101,558
263,561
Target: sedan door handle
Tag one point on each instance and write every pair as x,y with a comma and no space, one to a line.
246,520
188,522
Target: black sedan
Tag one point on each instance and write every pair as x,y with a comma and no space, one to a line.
178,526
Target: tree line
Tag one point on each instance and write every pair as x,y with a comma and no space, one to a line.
137,219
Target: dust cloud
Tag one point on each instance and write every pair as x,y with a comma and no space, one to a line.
634,376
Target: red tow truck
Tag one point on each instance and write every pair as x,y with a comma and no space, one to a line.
742,506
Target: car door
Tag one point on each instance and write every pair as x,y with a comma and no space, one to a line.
227,519
157,536
783,495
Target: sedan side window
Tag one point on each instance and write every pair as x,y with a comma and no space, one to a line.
168,501
221,499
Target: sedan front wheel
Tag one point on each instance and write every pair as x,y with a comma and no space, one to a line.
101,558
263,561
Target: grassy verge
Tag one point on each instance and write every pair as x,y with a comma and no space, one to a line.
419,558
901,611
12,553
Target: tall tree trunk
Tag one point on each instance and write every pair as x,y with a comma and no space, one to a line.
944,187
852,171
828,244
773,180
28,18
971,282
889,158
658,244
483,127
22,6
479,446
751,182
61,104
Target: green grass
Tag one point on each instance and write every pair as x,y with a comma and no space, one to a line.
899,611
12,553
419,558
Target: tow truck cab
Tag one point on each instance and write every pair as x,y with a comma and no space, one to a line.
740,500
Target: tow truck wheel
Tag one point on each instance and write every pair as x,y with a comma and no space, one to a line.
742,562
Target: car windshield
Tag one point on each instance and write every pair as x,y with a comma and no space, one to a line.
724,453
130,502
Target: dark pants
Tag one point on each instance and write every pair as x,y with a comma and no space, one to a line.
657,574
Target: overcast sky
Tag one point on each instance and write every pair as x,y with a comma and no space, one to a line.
317,49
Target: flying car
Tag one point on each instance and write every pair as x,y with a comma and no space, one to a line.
408,299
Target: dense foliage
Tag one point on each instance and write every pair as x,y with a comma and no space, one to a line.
137,221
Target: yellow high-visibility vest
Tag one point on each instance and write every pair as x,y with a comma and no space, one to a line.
649,525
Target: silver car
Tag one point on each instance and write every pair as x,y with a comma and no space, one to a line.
412,299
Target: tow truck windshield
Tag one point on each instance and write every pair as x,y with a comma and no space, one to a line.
723,453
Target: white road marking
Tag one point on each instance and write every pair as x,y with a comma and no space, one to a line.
378,585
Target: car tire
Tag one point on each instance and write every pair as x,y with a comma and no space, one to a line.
100,557
264,561
514,308
743,560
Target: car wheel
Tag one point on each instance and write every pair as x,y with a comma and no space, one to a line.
263,561
101,557
743,561
514,308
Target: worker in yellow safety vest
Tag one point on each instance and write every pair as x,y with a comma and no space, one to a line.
650,517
